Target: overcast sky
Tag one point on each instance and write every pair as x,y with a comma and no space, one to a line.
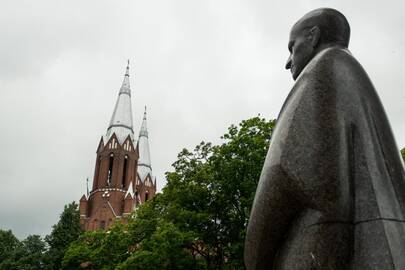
198,66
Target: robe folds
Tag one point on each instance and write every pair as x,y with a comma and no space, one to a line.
332,190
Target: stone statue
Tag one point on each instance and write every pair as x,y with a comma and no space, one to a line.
332,190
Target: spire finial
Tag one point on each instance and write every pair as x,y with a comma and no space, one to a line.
87,186
127,70
144,163
144,129
121,120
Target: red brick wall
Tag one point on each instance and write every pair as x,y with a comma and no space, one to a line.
102,209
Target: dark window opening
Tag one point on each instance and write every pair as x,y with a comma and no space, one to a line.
102,224
146,196
110,167
96,181
124,174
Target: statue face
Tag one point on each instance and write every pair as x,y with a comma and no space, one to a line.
301,49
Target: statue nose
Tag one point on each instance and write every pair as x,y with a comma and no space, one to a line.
288,64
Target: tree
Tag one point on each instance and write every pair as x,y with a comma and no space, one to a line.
8,243
27,254
200,218
105,250
403,153
32,252
237,165
165,249
81,253
63,233
212,189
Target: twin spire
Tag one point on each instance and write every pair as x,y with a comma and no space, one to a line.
121,121
122,125
144,128
144,162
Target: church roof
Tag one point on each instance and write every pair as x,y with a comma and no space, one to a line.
121,121
144,163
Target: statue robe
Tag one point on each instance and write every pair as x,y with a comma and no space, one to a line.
332,190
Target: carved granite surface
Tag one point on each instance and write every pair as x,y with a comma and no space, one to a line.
332,190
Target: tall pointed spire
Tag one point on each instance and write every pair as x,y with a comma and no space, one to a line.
125,87
121,121
144,128
144,163
116,191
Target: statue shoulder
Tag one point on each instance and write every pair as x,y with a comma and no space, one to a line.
338,60
336,64
335,58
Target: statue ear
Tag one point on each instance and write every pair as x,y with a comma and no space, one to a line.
314,35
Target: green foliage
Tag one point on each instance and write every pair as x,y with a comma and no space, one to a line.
98,249
32,253
403,153
145,220
199,220
9,247
82,251
141,260
165,249
8,243
63,233
27,255
212,189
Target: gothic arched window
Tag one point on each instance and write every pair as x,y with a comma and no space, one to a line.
96,178
124,173
110,167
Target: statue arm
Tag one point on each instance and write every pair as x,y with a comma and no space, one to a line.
269,219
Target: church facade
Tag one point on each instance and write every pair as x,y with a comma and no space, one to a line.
123,177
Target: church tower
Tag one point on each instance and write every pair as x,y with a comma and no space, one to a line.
145,180
123,175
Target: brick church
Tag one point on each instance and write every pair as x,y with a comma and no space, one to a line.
123,177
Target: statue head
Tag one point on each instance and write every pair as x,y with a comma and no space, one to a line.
317,30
